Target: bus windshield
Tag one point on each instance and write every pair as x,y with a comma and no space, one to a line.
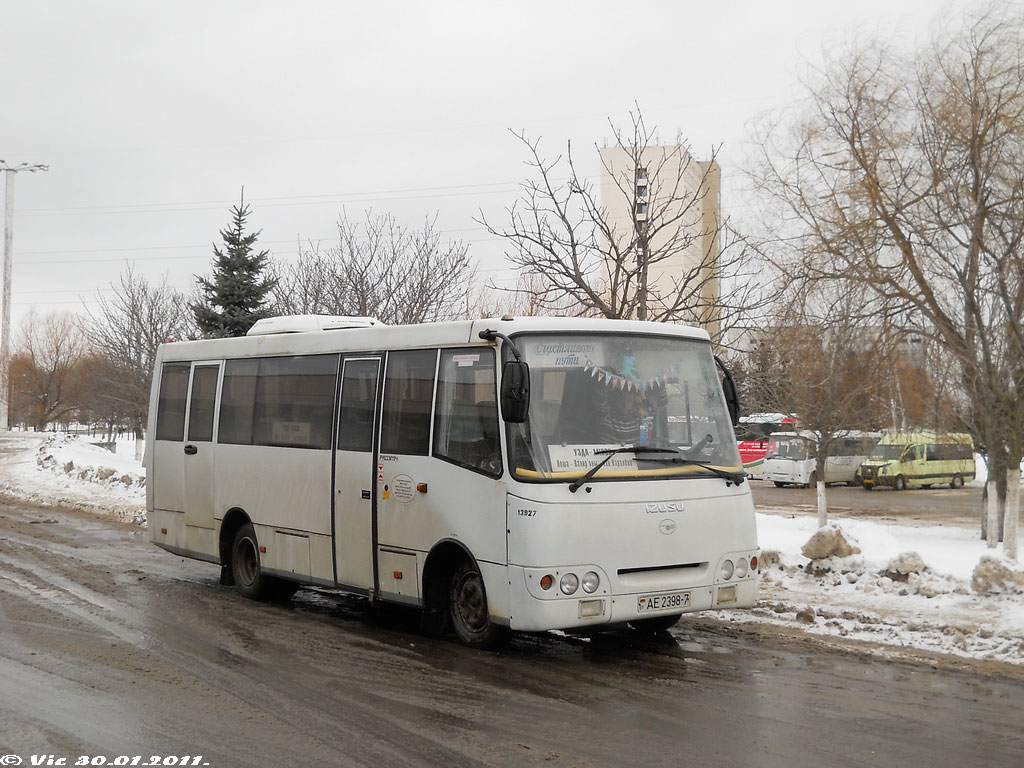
794,448
889,451
589,393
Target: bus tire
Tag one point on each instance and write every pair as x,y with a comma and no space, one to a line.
900,483
779,484
813,482
250,581
655,623
956,482
468,605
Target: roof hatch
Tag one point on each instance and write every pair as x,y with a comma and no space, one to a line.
309,323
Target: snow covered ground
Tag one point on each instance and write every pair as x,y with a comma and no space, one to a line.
883,594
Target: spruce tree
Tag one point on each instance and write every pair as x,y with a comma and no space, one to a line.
235,296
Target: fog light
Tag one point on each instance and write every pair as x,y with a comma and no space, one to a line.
546,581
727,594
569,583
727,570
591,608
591,581
741,567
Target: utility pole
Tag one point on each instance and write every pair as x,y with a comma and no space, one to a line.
5,329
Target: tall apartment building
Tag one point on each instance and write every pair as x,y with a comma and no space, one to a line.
657,189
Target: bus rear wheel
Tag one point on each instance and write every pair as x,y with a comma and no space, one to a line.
956,482
655,623
468,605
250,580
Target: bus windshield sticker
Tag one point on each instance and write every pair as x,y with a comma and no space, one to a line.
571,458
564,354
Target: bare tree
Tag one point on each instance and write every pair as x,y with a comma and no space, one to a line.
905,175
672,258
127,329
381,269
44,369
818,362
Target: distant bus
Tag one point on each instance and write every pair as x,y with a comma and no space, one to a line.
515,474
753,434
920,460
792,457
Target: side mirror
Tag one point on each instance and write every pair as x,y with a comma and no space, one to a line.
515,391
732,398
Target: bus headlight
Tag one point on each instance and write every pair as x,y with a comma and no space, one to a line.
741,567
591,581
727,570
569,583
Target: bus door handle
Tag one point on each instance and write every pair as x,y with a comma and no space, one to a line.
191,450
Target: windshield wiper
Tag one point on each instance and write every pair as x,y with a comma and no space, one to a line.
729,477
576,484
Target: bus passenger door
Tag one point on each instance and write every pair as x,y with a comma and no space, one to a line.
198,449
354,475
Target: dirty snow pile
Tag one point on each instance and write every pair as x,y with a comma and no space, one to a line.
928,587
68,470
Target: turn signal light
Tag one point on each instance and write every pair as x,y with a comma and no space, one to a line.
397,575
263,550
163,531
546,581
753,563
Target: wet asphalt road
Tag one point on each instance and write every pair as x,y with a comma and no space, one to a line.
109,646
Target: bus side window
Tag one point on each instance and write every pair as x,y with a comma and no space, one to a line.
238,402
408,397
295,401
358,398
204,396
170,415
466,418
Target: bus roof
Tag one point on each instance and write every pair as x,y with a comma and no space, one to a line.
925,436
376,337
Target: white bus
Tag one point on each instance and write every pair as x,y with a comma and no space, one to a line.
428,465
792,457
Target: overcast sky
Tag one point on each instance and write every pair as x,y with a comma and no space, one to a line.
152,116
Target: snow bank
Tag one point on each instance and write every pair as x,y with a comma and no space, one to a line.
67,470
909,586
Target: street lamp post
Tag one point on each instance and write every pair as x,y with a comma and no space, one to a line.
5,329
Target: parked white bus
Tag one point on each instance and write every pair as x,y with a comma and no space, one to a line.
427,465
792,457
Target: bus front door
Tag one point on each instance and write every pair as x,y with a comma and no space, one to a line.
355,473
198,449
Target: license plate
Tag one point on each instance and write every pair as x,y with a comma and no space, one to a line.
649,603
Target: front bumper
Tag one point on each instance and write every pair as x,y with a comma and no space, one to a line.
531,614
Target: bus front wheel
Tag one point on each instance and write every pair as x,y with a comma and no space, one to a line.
469,615
956,482
900,483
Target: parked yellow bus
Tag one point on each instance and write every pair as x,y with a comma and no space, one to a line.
920,460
